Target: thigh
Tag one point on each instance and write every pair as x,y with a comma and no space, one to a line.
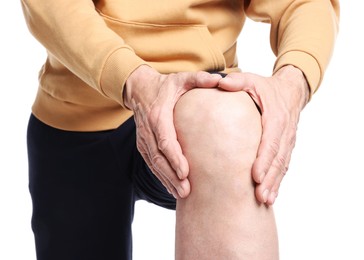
83,188
83,197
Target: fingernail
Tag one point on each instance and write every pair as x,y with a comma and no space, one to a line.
225,80
171,192
261,177
272,197
181,192
179,173
265,195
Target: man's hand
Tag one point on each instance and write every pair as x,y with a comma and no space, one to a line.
152,97
280,98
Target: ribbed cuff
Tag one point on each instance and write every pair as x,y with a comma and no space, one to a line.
306,63
120,64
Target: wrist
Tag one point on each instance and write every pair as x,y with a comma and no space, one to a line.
136,80
296,78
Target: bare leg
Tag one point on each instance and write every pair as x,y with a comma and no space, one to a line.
221,219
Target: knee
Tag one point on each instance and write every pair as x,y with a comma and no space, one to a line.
227,123
219,133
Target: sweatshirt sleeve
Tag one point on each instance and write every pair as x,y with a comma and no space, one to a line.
78,37
302,33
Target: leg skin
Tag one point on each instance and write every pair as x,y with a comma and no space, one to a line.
219,133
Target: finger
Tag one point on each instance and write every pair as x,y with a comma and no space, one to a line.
272,123
284,164
247,82
165,132
234,82
238,81
164,129
166,141
171,184
160,177
268,190
263,191
162,164
273,129
161,149
200,79
145,141
275,190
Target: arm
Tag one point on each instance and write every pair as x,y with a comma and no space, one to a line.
280,99
302,33
302,37
78,37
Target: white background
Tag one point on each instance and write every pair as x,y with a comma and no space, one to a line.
319,211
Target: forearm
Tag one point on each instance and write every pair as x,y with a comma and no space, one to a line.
306,39
302,33
78,37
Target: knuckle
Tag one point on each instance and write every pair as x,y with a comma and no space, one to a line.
292,138
276,187
274,146
281,161
281,164
292,141
156,161
163,144
173,182
293,127
140,147
153,116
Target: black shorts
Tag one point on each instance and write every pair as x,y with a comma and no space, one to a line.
83,187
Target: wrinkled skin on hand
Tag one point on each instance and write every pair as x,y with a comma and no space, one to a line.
281,99
152,97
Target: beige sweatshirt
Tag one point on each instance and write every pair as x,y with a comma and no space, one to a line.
93,46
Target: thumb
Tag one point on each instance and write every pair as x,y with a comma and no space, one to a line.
246,82
202,79
237,82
